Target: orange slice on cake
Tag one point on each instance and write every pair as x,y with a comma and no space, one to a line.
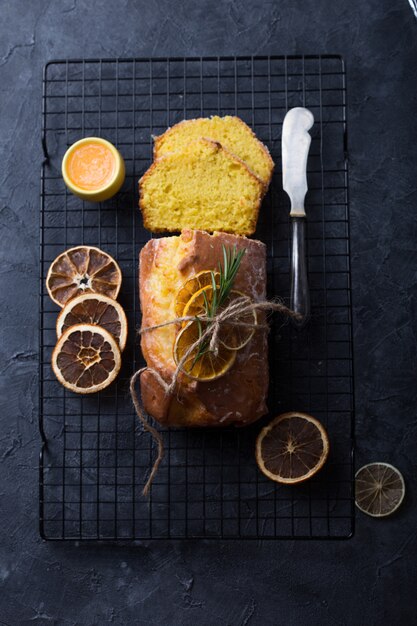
199,362
191,286
233,336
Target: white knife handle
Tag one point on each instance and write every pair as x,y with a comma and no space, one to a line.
296,142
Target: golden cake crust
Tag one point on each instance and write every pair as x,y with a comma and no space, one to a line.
239,396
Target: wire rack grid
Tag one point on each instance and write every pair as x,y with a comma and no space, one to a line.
94,455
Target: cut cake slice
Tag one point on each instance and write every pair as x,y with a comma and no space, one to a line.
230,131
204,187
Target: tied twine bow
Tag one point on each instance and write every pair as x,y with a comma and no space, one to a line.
231,315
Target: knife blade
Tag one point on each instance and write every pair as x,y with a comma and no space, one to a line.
296,142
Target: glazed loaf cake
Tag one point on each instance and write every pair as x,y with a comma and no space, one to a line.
239,396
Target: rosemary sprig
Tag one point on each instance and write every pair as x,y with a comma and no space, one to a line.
231,263
221,289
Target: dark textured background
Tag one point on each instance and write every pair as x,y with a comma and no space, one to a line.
370,579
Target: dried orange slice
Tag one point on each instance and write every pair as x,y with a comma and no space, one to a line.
86,358
207,366
233,336
379,489
96,309
292,448
83,269
191,286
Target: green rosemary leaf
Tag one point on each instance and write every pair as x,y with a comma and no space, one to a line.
225,261
214,291
232,261
200,326
202,348
206,304
200,353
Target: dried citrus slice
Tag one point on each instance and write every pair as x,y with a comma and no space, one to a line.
191,286
379,489
83,269
96,309
292,448
207,366
86,358
233,336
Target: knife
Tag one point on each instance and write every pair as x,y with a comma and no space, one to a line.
296,142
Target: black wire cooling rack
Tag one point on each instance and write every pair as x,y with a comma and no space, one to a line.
94,456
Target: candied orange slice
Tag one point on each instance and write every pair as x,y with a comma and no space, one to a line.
96,309
86,358
83,269
292,448
232,336
191,286
201,364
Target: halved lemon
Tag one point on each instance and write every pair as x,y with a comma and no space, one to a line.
96,309
207,366
191,286
379,489
86,358
292,448
232,336
83,269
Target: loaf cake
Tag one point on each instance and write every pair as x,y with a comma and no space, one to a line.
202,187
230,131
238,397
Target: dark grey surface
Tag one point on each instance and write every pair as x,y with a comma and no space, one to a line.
370,579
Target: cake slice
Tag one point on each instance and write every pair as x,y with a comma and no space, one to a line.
203,186
238,397
230,131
